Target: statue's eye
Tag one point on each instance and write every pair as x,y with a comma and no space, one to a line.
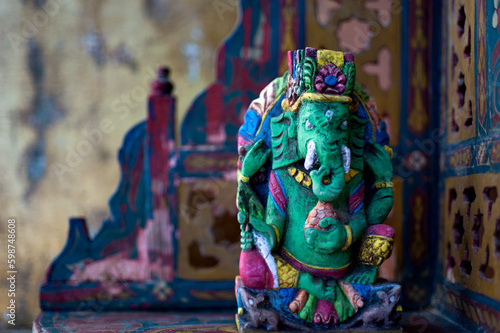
309,126
329,114
344,125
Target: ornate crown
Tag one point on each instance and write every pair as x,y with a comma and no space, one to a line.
319,75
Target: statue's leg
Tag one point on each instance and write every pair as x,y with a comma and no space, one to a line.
322,290
307,312
376,247
317,286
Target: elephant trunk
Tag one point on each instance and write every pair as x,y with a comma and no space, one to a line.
328,180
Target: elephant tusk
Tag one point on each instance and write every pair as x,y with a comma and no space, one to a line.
312,155
346,158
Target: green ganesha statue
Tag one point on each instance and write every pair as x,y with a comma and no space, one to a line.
314,190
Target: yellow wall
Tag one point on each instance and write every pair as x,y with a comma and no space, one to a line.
64,68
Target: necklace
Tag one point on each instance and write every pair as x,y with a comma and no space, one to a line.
304,179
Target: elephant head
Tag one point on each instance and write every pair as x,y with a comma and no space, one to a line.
319,123
322,135
326,136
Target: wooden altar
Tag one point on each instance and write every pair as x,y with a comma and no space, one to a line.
173,239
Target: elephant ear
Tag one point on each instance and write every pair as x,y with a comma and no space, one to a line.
284,140
357,127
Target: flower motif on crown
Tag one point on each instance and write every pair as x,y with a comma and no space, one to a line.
330,80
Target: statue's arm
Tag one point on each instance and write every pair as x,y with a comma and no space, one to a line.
358,225
272,227
269,222
380,206
378,166
276,220
254,159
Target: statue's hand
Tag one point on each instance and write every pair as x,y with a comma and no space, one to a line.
246,233
329,241
255,159
378,162
250,224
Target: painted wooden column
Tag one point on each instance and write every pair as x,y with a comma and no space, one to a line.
418,149
160,141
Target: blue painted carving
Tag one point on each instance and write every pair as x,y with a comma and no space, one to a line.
247,61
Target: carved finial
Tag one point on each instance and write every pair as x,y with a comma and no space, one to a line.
162,84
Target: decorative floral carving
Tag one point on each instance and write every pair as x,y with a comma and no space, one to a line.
330,80
162,291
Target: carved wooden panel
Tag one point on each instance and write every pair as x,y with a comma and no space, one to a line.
209,235
461,70
470,166
472,233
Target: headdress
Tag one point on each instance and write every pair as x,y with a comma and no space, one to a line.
319,75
